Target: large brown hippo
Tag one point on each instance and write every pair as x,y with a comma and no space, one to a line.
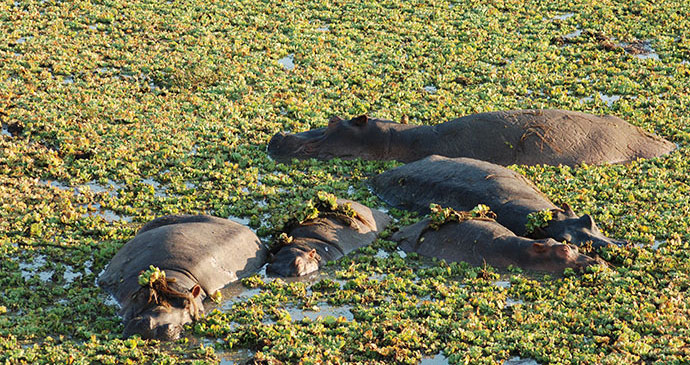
462,183
325,238
199,254
526,137
478,241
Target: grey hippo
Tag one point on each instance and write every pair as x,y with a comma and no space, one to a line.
463,183
199,254
483,241
327,237
527,137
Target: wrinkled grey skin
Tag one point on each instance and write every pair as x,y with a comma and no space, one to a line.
484,241
327,238
526,137
202,253
463,183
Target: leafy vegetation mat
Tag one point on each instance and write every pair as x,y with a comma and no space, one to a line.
115,112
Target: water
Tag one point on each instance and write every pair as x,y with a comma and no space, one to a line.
438,359
608,99
288,62
323,28
28,270
641,49
511,302
381,254
574,34
431,89
68,80
242,221
235,357
502,284
158,190
517,360
23,39
107,214
563,16
5,131
324,310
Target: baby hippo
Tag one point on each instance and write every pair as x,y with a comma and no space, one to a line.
327,237
479,241
195,256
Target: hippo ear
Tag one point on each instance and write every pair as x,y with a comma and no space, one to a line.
539,247
335,119
196,290
568,211
587,221
313,255
360,121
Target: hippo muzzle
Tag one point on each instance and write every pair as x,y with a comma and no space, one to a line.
146,328
299,145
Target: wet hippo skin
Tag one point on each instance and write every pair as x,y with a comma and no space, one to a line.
327,238
199,254
463,183
478,241
526,137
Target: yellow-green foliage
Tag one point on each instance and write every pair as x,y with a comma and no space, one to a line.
114,112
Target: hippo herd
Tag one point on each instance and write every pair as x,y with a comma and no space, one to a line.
457,164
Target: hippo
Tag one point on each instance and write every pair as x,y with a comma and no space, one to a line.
325,238
199,254
480,241
462,183
525,137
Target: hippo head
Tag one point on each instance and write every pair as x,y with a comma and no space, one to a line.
359,137
549,255
293,261
162,320
567,226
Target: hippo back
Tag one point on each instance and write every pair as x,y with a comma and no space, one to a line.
334,236
469,241
211,251
549,137
461,184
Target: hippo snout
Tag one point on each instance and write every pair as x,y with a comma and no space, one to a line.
142,326
145,327
300,145
585,261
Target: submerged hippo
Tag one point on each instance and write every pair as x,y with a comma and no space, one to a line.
526,137
478,241
463,183
326,238
199,254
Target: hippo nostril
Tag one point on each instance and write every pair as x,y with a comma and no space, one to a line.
168,332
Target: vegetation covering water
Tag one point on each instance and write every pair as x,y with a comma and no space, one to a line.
114,112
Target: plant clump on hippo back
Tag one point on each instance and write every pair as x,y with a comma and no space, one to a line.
479,241
463,183
194,255
340,227
527,137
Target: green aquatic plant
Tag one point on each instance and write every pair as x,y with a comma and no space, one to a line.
440,216
537,220
114,113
